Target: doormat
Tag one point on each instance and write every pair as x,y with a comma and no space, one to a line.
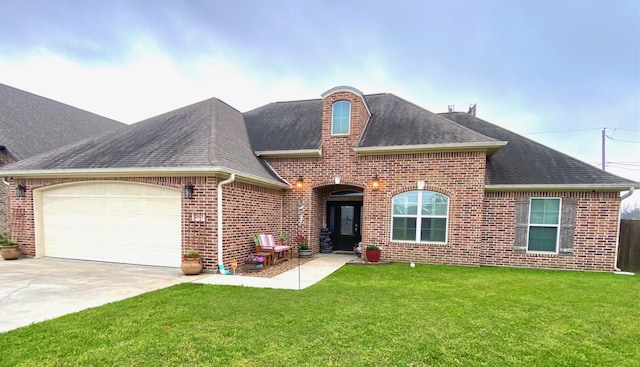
339,252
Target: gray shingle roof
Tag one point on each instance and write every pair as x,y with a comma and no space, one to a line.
208,134
525,162
395,121
293,125
30,124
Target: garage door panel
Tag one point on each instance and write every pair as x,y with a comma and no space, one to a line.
117,222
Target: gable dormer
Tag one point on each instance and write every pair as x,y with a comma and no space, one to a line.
344,115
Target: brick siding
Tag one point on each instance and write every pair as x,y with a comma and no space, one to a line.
247,209
4,194
596,232
481,225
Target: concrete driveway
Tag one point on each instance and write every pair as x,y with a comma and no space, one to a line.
33,290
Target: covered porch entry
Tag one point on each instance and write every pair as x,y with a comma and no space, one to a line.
340,210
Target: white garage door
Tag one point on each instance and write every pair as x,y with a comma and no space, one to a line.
112,221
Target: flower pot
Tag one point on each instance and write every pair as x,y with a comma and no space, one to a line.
253,267
304,254
10,252
191,266
373,256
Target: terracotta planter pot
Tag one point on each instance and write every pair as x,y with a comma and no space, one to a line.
373,256
191,266
10,252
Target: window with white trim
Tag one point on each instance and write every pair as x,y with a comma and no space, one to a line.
420,216
340,118
544,225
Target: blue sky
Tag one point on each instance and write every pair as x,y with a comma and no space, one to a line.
565,69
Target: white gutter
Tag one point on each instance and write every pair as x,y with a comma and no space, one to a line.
231,178
615,253
4,180
490,147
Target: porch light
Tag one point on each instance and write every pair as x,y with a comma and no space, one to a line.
188,191
21,191
299,183
375,184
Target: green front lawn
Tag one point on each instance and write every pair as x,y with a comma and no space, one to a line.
360,316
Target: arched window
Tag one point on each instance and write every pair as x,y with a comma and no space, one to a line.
420,216
340,118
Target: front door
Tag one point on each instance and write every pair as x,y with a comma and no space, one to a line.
344,219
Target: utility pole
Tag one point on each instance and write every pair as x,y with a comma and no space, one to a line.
604,129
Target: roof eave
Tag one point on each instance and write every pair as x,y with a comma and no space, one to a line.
490,147
217,171
558,188
288,153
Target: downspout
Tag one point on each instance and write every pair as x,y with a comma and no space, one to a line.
231,178
615,264
4,180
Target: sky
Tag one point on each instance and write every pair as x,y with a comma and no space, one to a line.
558,72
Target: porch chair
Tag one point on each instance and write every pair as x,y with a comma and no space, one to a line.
268,244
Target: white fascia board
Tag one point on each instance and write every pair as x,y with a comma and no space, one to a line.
453,147
145,172
550,187
288,153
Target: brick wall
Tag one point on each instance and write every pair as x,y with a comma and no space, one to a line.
4,193
459,175
596,230
247,209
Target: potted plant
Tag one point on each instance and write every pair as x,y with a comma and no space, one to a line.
256,242
191,264
253,263
303,246
9,250
282,241
373,253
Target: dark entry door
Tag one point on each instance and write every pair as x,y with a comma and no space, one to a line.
344,219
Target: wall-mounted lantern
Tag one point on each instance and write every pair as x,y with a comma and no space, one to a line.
299,184
375,184
21,191
188,191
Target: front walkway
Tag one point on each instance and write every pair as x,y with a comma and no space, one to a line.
298,278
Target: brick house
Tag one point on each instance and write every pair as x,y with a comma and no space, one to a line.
31,125
430,188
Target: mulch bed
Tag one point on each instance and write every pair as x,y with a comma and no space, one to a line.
273,270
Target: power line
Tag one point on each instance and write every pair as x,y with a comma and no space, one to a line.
573,130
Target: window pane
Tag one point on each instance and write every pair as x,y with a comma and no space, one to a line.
433,203
543,238
341,112
433,229
406,204
346,221
404,229
544,211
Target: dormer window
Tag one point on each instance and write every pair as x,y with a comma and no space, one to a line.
340,118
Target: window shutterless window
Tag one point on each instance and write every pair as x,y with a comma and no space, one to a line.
340,118
420,216
544,224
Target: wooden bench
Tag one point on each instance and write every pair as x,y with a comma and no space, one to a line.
268,244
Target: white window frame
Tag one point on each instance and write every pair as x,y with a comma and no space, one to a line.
333,120
557,226
419,217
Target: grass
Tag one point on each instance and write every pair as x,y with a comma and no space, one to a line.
360,316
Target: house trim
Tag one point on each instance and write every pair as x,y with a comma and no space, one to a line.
288,153
556,187
489,147
221,172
